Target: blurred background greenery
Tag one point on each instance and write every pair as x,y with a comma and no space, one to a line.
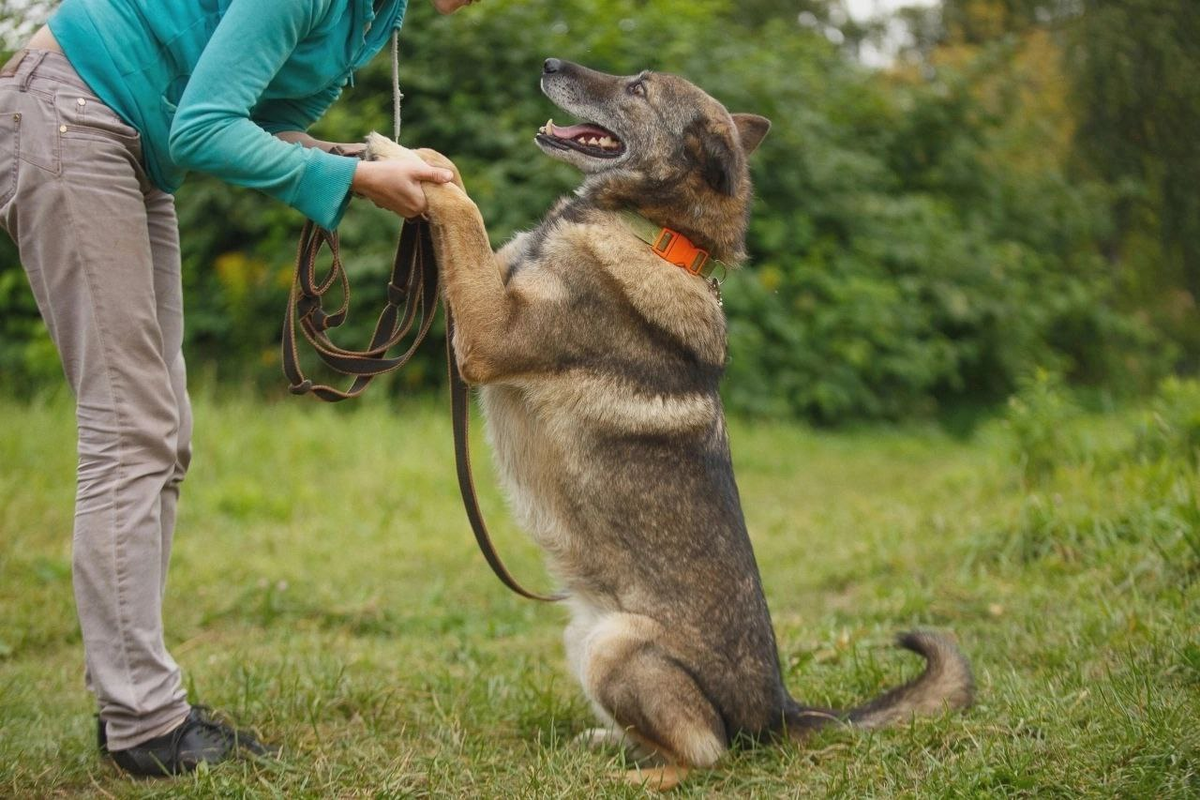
1013,187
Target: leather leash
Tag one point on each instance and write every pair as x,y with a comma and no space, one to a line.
412,292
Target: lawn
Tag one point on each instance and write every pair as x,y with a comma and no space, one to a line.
325,589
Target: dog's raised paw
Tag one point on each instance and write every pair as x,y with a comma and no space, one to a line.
380,147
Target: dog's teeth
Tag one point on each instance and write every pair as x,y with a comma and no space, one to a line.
549,127
607,143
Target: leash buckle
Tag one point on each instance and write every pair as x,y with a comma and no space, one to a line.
679,250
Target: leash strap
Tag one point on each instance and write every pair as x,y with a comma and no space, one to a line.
412,292
460,414
397,95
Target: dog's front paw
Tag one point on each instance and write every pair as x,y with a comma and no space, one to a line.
379,147
435,159
447,201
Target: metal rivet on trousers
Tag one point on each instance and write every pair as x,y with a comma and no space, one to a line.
82,102
62,128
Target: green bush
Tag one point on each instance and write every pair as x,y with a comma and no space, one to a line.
897,263
1039,417
1171,427
1096,483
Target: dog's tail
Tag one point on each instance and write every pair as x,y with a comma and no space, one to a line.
945,685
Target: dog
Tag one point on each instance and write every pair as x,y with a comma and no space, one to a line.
598,363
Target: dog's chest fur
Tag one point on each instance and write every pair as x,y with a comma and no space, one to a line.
631,351
615,456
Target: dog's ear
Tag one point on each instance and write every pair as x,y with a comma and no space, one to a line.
720,162
751,130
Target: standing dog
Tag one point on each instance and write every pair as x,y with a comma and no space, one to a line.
598,363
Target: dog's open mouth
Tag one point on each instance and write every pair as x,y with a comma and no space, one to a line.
587,138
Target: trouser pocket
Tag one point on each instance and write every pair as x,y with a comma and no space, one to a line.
10,150
84,115
27,134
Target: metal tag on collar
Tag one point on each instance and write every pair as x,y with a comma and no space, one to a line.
679,250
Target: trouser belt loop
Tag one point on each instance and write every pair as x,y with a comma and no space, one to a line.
24,64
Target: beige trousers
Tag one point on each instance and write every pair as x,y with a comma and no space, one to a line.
100,245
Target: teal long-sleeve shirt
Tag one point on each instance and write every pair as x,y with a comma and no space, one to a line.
208,82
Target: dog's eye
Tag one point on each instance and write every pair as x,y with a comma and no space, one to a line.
637,88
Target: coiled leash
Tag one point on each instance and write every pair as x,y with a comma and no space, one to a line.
412,294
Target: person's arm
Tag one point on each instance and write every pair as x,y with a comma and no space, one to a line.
337,148
289,120
213,131
393,186
278,115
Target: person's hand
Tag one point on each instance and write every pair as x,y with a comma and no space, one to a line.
395,183
435,159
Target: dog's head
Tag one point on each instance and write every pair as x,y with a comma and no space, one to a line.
651,141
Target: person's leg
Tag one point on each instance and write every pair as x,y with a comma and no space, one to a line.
168,293
80,219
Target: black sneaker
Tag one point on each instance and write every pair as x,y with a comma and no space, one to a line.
199,738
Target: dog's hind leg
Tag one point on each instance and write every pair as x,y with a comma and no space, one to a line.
629,674
612,740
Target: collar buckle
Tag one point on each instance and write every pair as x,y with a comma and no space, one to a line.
679,250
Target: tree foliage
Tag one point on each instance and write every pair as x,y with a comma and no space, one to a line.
1133,70
1137,78
920,236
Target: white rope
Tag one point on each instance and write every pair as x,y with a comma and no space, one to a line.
397,95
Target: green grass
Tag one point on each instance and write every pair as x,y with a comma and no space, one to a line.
326,590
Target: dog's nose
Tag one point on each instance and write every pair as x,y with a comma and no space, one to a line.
551,66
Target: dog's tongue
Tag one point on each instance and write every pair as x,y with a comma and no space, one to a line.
575,131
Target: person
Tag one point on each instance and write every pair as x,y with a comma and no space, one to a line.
101,115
